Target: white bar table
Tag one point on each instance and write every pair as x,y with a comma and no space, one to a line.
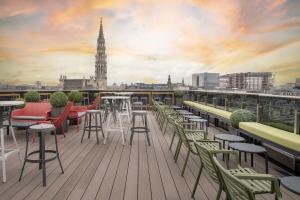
119,115
7,152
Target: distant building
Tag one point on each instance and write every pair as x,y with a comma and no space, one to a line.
205,80
76,84
99,81
250,81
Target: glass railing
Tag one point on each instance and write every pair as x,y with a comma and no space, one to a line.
277,111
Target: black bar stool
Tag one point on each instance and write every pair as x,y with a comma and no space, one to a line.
41,129
88,126
140,129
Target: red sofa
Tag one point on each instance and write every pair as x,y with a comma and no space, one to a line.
35,111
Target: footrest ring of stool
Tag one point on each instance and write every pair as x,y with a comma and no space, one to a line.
38,160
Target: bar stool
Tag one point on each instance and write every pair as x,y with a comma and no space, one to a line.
88,124
140,129
41,129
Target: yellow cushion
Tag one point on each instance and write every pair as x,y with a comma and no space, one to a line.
222,113
281,137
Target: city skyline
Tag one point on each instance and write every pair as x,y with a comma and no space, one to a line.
147,40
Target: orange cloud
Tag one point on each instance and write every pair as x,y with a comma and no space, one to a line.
80,8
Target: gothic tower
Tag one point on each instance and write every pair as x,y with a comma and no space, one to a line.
100,64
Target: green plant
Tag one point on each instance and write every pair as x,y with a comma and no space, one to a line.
22,105
179,94
96,94
75,96
241,115
32,96
58,99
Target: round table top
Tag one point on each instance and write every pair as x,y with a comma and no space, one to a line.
115,97
42,127
184,112
291,183
229,138
198,120
176,107
246,147
11,103
193,117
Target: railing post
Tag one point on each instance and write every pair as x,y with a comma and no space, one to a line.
296,121
258,111
242,101
226,103
215,101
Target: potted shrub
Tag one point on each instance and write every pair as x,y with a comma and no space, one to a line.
76,97
241,115
58,100
179,97
32,96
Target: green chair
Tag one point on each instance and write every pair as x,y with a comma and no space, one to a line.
173,120
206,149
186,137
245,184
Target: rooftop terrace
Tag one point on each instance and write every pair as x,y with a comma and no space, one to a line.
114,171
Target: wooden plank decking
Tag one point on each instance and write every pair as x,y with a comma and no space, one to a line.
114,171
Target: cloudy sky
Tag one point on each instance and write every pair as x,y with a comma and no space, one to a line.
148,39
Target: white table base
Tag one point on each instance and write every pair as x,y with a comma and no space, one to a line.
109,127
5,153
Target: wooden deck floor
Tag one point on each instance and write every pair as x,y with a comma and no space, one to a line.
114,171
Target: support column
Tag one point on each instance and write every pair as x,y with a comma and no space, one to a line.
296,121
226,103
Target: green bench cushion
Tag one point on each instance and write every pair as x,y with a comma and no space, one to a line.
215,111
284,138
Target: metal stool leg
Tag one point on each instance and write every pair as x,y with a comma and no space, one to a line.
132,129
84,128
57,153
96,126
43,162
147,133
25,157
101,124
90,124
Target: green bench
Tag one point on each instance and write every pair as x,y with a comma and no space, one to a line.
210,111
284,145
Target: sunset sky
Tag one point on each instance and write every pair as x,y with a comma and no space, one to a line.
148,39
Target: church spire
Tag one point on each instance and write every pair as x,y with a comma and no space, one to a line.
101,35
100,64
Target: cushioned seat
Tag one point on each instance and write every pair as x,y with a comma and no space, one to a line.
215,111
286,139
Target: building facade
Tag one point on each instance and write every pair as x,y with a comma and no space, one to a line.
205,80
250,81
